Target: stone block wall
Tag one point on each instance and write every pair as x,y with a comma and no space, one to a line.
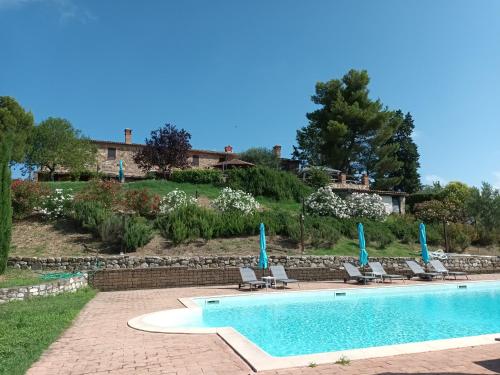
46,289
472,264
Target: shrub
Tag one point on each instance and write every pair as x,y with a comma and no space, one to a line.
197,176
175,200
137,233
107,193
187,222
89,214
366,205
318,178
378,233
460,236
404,228
320,232
230,200
142,202
267,182
57,204
325,202
26,196
111,229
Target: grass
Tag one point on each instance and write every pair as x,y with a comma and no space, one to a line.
348,247
17,277
27,328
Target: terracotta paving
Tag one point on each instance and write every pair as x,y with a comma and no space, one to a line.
99,342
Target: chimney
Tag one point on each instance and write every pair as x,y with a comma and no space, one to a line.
128,136
277,151
365,181
228,148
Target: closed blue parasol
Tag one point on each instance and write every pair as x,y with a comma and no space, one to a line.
263,254
363,254
120,171
423,243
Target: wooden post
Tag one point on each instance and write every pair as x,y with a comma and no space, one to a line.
445,232
302,233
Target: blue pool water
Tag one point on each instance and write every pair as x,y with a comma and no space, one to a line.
314,322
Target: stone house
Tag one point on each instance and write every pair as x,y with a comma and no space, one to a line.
394,201
109,154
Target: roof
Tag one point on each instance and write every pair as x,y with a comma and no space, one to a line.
235,162
370,191
142,145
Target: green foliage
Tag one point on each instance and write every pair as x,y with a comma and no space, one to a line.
407,154
197,176
483,205
350,131
261,156
460,236
26,196
90,214
137,233
111,229
17,124
317,177
261,181
5,203
29,327
56,144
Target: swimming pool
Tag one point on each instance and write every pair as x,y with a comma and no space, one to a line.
295,328
325,321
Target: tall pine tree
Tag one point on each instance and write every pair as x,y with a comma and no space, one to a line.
350,131
407,154
5,203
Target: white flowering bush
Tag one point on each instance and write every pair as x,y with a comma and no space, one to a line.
57,204
235,200
325,202
175,199
366,205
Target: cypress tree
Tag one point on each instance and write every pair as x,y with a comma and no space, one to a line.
408,155
5,204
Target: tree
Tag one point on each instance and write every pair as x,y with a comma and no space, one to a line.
349,131
56,144
407,154
261,156
166,149
14,120
484,207
5,201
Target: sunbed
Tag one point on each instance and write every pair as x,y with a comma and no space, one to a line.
439,267
280,275
378,271
248,278
418,271
355,274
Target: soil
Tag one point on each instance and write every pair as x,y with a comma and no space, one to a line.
33,238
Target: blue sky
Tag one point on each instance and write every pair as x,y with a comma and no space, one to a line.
242,72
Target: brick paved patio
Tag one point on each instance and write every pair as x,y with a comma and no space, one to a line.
99,342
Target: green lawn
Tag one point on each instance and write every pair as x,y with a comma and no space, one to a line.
17,277
350,248
27,328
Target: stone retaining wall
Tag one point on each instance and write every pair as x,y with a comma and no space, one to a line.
472,264
46,289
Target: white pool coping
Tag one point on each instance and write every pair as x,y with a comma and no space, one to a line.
259,360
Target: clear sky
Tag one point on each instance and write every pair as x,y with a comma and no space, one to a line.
242,72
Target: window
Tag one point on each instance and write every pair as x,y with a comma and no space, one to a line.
196,161
111,153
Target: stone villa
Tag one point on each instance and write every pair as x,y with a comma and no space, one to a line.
109,154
